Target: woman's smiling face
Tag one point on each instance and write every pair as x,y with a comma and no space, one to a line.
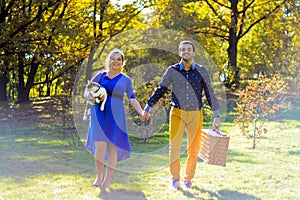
116,61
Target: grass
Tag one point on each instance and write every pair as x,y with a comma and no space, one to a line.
38,163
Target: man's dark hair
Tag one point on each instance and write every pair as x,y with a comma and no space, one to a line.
186,42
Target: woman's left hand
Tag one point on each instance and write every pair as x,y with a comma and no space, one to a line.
101,97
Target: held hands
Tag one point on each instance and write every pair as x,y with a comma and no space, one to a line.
216,124
145,116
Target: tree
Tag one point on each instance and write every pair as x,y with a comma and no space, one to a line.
227,20
261,98
271,46
113,19
26,38
41,41
3,85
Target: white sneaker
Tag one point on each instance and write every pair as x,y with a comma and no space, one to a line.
187,186
174,184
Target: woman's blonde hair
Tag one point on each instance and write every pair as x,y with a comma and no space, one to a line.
111,53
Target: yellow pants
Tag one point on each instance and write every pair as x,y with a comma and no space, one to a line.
192,122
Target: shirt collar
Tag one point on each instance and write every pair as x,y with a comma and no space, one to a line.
181,65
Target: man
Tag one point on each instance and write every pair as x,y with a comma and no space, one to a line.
187,81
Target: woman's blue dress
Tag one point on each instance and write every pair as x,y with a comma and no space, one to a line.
110,124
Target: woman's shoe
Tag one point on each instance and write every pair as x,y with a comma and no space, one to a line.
105,188
96,184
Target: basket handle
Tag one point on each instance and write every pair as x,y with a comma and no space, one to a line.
220,133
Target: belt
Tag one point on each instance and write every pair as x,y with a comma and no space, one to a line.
115,95
187,108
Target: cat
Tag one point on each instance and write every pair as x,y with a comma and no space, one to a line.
92,94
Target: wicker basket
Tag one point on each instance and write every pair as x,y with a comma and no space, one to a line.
214,147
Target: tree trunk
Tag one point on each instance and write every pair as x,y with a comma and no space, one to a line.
21,85
3,87
23,90
89,67
23,95
233,70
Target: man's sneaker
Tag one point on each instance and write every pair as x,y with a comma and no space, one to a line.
187,186
174,184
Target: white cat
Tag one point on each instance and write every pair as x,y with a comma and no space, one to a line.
92,93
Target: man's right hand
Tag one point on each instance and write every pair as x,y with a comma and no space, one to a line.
216,123
145,116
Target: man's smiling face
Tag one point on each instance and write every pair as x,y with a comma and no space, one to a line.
186,52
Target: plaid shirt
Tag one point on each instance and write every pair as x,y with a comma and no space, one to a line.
186,88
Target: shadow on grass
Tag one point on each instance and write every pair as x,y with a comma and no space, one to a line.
235,156
31,150
294,152
228,194
122,194
292,114
220,195
27,151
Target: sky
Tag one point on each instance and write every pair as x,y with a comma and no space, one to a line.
123,2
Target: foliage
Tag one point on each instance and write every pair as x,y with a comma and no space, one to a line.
272,45
221,25
41,41
261,98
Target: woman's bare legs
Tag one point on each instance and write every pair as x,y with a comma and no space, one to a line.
100,148
111,164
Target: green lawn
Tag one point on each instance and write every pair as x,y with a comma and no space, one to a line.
36,162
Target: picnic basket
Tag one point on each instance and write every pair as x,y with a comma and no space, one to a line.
214,147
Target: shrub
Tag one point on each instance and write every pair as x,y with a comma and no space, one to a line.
260,98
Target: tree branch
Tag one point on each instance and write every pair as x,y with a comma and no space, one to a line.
247,7
60,73
214,11
212,33
38,16
4,11
243,19
223,5
213,28
260,19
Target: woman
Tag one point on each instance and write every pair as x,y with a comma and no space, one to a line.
107,136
